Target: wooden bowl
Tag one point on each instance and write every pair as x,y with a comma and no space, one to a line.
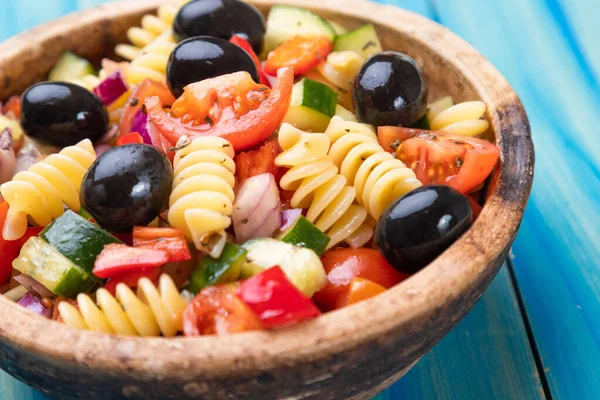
349,353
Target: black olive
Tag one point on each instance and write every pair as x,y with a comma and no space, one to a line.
419,226
222,19
62,114
204,57
127,186
390,90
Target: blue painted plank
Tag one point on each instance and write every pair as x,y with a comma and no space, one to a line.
548,51
487,355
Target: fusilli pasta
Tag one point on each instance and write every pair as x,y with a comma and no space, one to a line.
462,118
150,312
41,191
151,45
202,199
317,185
376,175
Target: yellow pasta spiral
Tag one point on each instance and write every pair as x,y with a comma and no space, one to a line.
376,175
202,199
150,312
151,45
317,185
41,191
461,119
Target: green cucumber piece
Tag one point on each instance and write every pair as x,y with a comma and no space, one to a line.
69,68
363,41
285,22
53,270
213,271
77,239
312,105
339,30
85,214
304,234
302,266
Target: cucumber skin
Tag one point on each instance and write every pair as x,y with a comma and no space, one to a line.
212,271
317,96
363,41
76,281
313,238
65,235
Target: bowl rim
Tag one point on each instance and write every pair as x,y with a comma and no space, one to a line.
451,275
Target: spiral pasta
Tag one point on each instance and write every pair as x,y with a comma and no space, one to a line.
462,118
376,175
41,191
202,199
151,45
150,312
338,72
317,185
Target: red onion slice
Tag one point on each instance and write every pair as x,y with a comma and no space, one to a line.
288,217
111,88
34,304
34,286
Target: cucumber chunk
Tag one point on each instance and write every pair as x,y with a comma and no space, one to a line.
303,233
69,68
363,41
77,239
302,266
312,105
53,270
213,271
285,22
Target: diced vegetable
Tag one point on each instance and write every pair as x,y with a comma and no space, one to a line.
256,162
304,234
34,304
16,293
171,240
257,208
77,239
213,271
12,107
285,22
312,106
344,264
300,52
240,41
302,266
130,138
33,286
119,258
339,30
289,217
217,310
131,278
69,68
363,41
111,88
275,300
359,289
53,270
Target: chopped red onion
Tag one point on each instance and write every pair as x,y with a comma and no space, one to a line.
139,124
34,304
111,88
288,217
34,286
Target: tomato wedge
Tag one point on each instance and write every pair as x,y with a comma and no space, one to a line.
147,88
130,138
259,161
171,240
458,161
342,265
391,137
244,44
301,53
218,310
232,106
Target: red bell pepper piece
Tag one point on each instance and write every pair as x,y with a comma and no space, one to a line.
244,44
120,258
171,240
130,138
131,278
275,300
9,249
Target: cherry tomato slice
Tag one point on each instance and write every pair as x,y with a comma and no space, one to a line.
358,290
458,161
259,161
217,310
130,138
147,88
344,264
301,53
244,44
231,106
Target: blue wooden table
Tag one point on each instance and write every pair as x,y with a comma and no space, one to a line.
535,333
